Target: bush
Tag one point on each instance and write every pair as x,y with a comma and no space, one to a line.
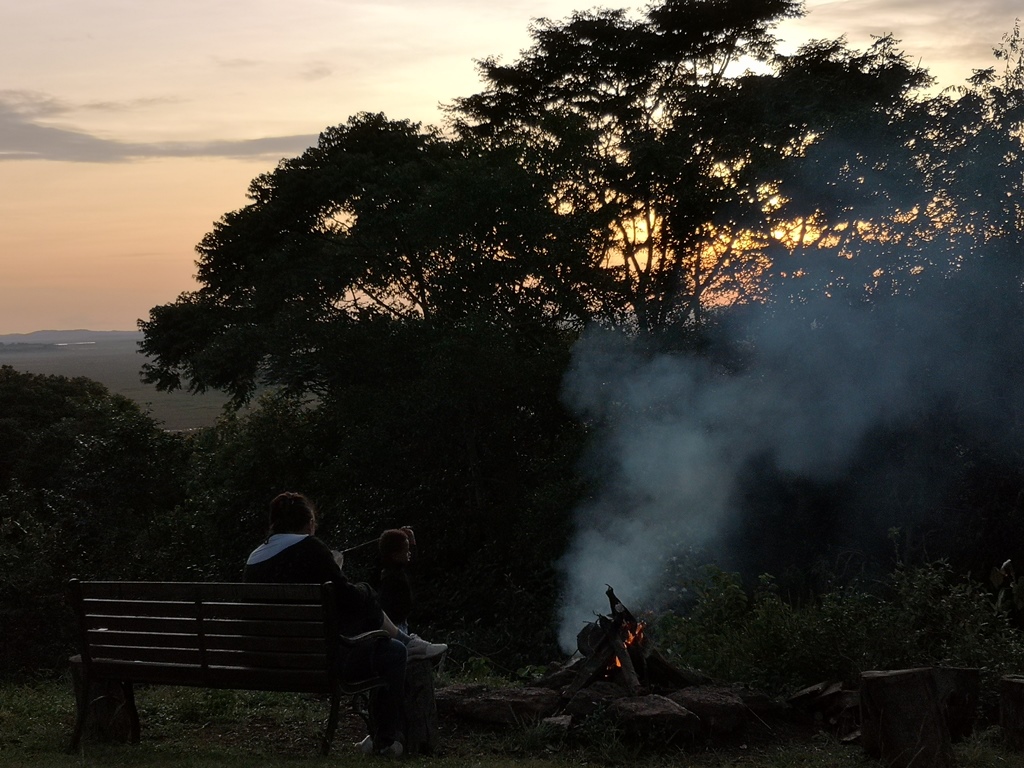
918,616
84,478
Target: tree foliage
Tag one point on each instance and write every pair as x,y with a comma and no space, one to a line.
673,135
410,295
634,170
380,223
88,485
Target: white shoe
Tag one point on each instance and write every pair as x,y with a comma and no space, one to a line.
418,648
366,746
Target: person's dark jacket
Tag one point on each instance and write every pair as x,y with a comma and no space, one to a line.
311,562
395,592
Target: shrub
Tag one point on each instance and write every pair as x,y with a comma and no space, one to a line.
84,477
919,616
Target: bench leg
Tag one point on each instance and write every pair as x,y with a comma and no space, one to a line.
332,723
134,730
81,686
361,706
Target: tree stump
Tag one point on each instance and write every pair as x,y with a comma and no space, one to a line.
1011,711
902,722
959,690
108,715
420,708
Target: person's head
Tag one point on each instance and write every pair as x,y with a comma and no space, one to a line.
394,546
292,513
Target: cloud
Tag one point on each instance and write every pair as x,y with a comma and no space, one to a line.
25,135
237,63
949,39
316,70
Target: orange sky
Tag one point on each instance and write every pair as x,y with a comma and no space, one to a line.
127,129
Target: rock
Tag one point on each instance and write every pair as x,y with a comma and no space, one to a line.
654,717
720,710
560,723
447,698
589,700
760,704
512,706
558,676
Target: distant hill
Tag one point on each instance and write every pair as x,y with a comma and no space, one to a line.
67,337
113,359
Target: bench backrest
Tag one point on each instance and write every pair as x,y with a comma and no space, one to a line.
277,637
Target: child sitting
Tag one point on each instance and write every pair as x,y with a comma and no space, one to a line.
395,590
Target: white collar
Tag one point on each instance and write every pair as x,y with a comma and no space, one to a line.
274,545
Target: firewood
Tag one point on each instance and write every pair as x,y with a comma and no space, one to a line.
626,671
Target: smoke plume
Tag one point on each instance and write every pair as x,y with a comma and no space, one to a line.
675,434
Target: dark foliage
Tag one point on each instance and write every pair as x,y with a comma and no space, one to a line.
88,486
410,302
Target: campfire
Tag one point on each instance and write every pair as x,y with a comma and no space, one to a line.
613,648
617,648
620,672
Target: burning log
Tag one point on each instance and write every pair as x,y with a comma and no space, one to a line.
624,665
613,647
618,609
619,649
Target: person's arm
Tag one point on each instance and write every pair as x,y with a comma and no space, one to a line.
389,626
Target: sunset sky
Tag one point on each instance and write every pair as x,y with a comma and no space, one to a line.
128,128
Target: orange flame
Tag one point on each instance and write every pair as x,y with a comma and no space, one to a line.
634,635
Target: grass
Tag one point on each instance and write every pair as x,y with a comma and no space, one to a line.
192,728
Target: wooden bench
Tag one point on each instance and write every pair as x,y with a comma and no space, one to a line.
257,637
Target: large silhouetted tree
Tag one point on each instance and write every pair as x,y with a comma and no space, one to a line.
635,170
380,224
674,134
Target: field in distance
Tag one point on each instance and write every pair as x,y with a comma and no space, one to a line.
113,359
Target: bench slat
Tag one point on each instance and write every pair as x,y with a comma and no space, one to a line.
205,591
158,625
193,675
151,624
102,654
267,661
179,609
153,639
223,658
165,608
267,644
214,642
286,611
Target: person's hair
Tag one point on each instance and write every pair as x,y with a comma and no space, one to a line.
290,512
392,542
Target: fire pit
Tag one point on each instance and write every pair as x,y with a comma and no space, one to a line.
620,671
617,648
613,647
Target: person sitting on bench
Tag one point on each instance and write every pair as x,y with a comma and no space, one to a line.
292,554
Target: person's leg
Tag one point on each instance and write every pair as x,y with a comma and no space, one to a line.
389,658
386,659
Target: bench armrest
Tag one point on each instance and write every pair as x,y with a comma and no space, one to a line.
364,638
